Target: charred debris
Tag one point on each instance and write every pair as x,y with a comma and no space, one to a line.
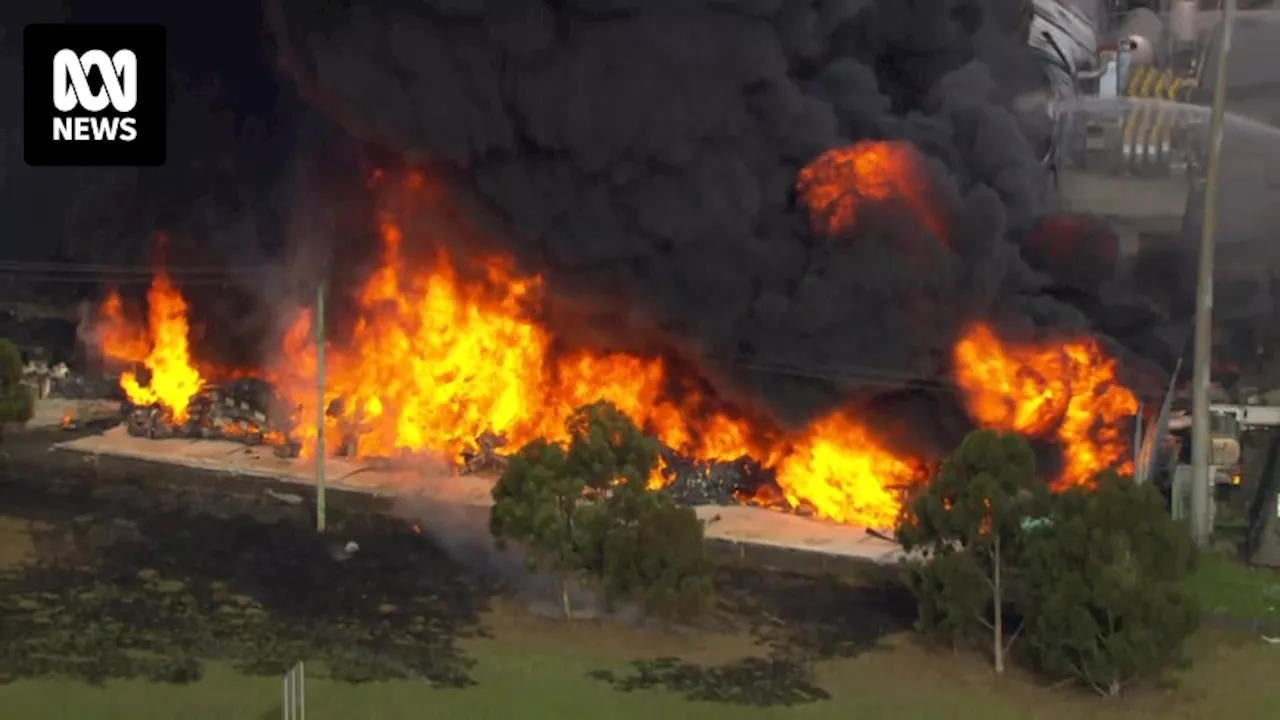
249,410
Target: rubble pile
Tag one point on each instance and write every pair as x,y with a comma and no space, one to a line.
486,455
248,410
690,481
245,409
59,381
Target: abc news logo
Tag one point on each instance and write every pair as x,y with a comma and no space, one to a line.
108,104
71,90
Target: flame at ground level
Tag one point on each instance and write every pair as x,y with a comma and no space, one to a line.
163,347
434,361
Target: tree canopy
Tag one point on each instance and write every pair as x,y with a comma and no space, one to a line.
1091,577
539,503
583,510
967,526
1104,599
17,403
607,449
654,555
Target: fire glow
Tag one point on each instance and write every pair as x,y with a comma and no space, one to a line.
436,360
841,183
167,352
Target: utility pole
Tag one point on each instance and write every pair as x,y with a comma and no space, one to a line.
1139,467
320,408
1201,444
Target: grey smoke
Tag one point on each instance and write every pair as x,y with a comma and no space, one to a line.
462,531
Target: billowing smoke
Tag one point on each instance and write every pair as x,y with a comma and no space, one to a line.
642,154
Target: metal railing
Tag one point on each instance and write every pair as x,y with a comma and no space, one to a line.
295,693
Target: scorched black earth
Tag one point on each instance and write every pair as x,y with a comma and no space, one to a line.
135,575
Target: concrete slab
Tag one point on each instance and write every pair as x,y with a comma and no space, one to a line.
236,459
734,525
781,530
52,412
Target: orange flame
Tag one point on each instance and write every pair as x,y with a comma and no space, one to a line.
1069,392
163,348
119,339
434,362
437,357
840,182
843,473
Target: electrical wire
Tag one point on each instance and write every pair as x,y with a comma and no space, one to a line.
126,280
863,375
130,270
66,273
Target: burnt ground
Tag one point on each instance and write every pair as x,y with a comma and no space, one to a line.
121,569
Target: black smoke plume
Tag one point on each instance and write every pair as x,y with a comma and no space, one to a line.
641,156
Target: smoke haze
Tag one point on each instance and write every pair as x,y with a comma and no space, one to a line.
462,531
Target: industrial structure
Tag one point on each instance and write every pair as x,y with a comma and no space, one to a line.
1125,88
1119,88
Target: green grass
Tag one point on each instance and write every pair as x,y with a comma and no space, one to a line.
536,668
537,673
514,681
1233,589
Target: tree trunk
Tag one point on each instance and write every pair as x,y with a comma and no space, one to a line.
564,599
997,601
566,517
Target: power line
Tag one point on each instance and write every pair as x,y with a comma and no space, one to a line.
861,374
143,270
122,281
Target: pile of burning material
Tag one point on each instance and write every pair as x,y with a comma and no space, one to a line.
690,481
485,455
246,410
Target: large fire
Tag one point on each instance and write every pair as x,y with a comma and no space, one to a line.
435,360
1068,391
164,350
838,186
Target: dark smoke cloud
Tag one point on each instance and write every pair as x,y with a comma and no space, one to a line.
641,154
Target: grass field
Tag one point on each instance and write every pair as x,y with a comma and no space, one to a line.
1228,588
537,669
118,601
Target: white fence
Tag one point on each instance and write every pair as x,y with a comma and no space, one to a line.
295,693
